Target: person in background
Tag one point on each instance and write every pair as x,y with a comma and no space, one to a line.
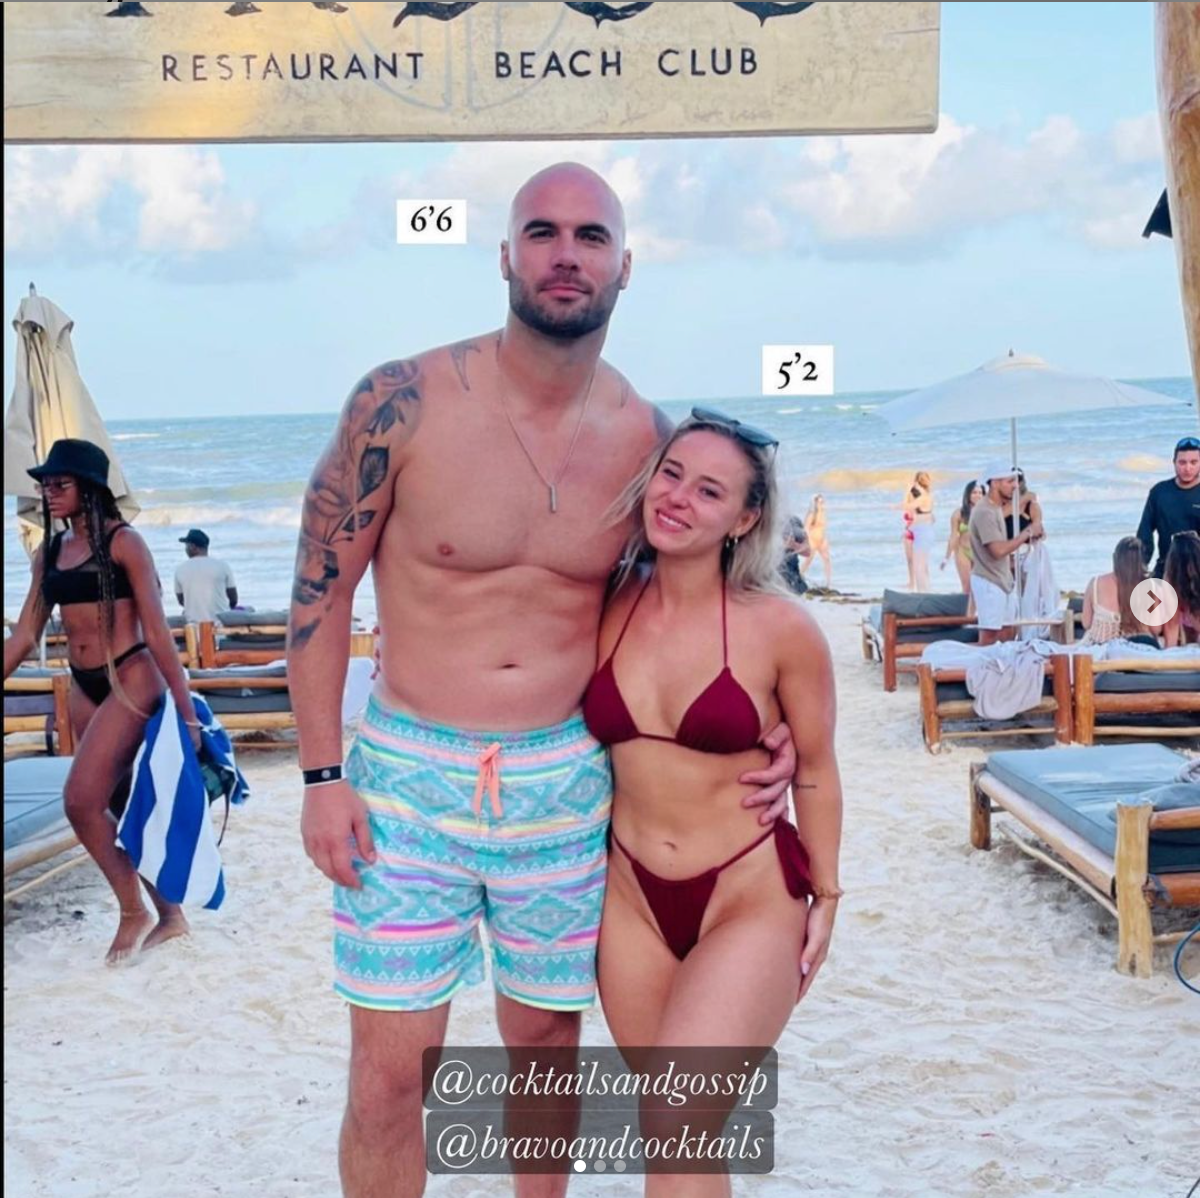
1106,610
204,585
796,555
818,541
918,513
992,585
100,575
1173,505
958,545
1024,502
1182,571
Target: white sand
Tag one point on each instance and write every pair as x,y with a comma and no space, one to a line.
969,1034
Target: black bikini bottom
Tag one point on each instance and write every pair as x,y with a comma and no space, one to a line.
94,682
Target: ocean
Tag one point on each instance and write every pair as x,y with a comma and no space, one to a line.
241,479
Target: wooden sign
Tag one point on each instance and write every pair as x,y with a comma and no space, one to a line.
215,72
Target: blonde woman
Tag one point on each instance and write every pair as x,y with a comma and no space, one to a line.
712,929
818,540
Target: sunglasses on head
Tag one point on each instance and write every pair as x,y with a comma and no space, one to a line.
1188,443
745,432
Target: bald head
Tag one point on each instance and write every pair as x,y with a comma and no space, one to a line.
565,259
562,181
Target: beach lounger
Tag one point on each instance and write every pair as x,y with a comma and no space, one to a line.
247,698
897,630
242,638
946,700
1142,696
35,700
35,825
1115,822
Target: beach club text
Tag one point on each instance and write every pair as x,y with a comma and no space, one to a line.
670,61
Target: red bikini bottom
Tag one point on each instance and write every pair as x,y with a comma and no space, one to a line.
678,904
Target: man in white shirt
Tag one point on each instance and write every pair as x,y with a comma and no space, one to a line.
204,585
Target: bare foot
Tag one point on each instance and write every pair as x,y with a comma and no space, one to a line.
133,926
168,927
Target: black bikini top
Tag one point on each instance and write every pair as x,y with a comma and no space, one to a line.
81,583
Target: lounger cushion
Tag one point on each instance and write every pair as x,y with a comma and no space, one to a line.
1133,682
232,620
930,603
247,699
33,803
1081,787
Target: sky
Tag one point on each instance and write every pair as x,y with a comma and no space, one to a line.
215,280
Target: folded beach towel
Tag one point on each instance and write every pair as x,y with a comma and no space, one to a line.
165,828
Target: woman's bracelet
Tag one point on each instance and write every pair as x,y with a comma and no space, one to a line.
193,723
828,892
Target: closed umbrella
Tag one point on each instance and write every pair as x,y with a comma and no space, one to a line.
49,402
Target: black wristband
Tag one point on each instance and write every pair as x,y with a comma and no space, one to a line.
325,773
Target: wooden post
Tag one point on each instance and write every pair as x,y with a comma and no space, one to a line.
1177,38
866,641
981,811
208,645
931,722
191,642
1060,678
62,715
889,651
1135,932
1085,700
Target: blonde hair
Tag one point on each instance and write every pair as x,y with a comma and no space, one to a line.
752,562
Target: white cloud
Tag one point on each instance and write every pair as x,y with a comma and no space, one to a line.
98,201
1138,139
869,196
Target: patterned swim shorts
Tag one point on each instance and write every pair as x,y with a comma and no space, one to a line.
507,828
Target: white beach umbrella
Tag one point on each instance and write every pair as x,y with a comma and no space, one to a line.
1011,387
49,402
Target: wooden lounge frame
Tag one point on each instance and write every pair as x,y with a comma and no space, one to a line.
204,652
1089,703
895,654
1122,884
935,712
60,736
249,721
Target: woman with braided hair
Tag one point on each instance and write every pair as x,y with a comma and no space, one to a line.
100,574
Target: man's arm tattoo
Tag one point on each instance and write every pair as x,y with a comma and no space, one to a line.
353,469
458,355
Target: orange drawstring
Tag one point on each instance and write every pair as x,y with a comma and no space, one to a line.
489,776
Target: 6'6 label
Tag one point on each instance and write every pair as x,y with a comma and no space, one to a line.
431,222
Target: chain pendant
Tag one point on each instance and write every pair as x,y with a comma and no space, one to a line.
553,499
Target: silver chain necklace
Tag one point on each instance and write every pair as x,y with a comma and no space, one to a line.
551,485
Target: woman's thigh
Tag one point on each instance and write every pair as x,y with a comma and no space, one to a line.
635,969
112,732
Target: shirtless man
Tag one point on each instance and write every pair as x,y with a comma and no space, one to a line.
474,478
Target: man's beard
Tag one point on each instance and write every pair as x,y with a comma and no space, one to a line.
568,325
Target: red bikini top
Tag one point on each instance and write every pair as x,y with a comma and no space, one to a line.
722,719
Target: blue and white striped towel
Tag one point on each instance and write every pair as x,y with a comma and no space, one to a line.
166,829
